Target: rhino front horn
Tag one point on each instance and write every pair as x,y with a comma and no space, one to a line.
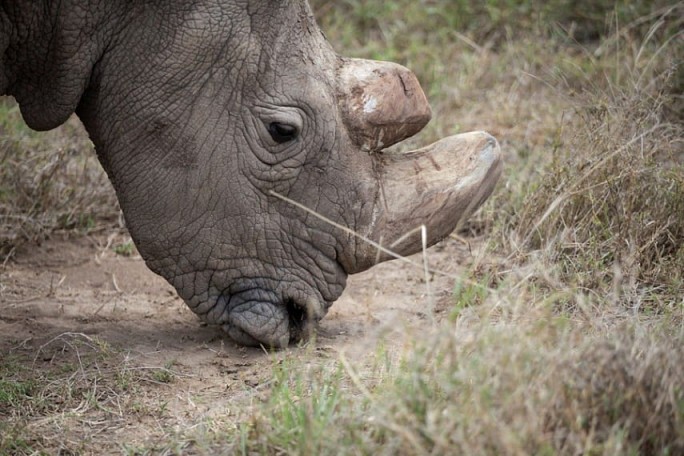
437,186
382,103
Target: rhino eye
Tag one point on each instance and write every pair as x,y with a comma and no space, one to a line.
281,132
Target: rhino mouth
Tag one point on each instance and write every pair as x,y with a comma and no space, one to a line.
258,316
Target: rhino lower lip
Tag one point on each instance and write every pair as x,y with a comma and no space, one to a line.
258,316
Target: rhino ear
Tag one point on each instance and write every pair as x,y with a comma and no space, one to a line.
51,104
49,71
48,98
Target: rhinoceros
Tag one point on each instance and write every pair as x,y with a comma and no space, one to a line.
245,153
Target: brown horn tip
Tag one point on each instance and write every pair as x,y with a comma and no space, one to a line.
382,103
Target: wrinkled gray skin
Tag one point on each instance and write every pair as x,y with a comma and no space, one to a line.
178,97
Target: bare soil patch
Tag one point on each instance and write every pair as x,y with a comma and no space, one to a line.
73,310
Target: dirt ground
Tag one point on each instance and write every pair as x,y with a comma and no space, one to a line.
67,298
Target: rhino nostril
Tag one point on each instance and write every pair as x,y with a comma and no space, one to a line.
300,321
305,311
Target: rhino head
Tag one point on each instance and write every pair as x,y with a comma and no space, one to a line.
213,117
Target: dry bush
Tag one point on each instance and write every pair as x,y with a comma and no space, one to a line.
619,395
48,181
611,205
525,392
599,207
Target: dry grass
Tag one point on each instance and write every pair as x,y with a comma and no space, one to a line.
610,209
74,393
499,389
48,181
612,197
